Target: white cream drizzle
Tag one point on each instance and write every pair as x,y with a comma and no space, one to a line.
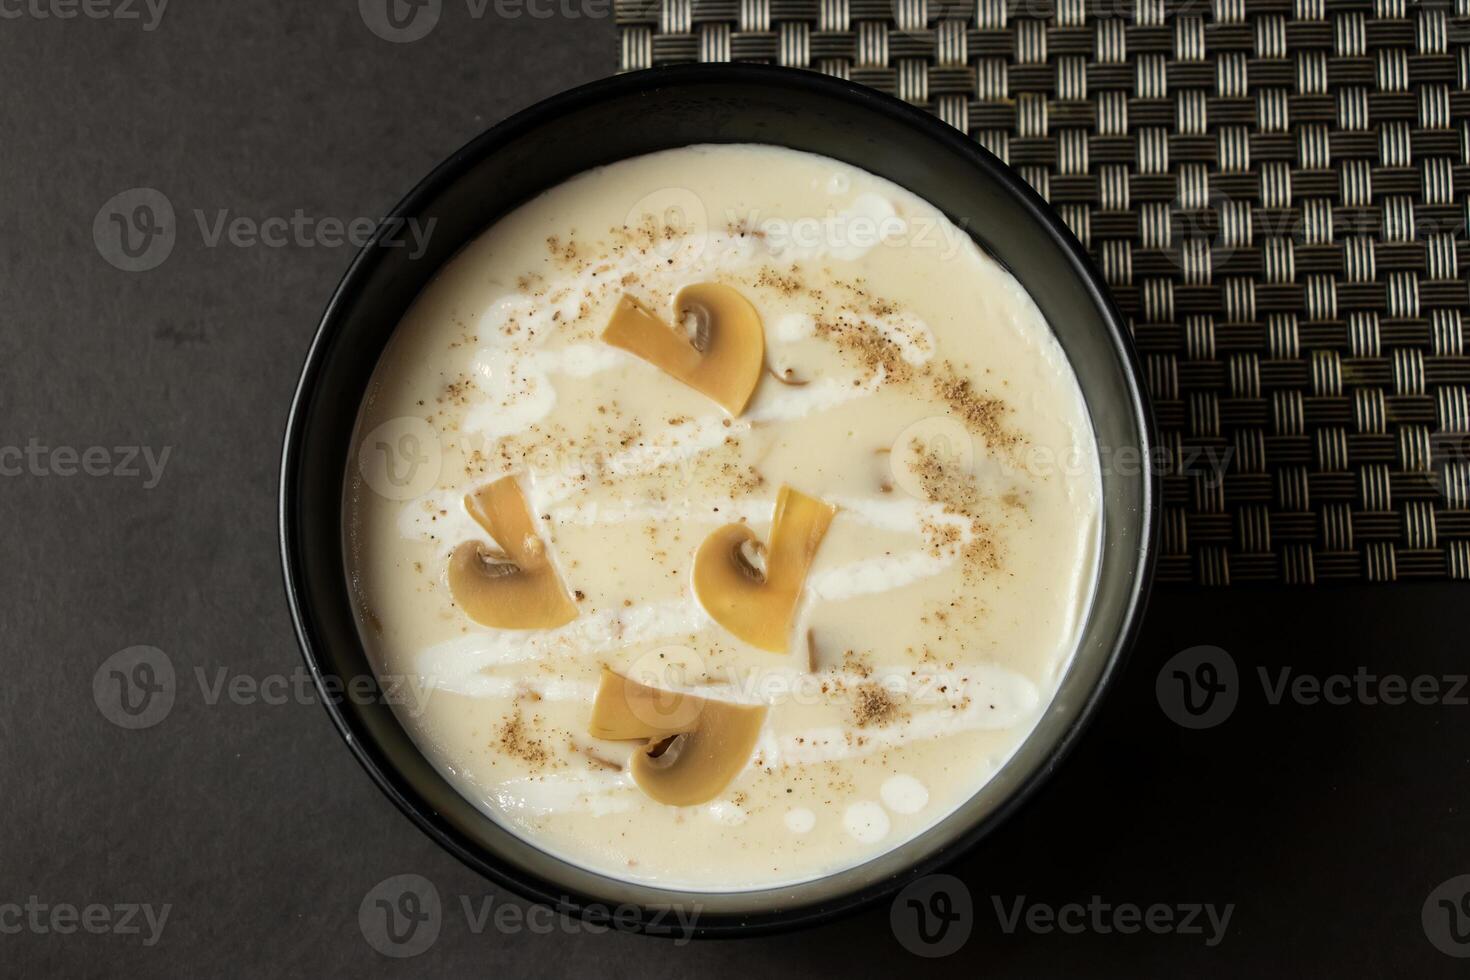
912,336
672,446
456,661
780,403
727,813
1003,692
441,517
997,699
604,791
903,515
513,370
830,744
601,792
791,327
446,664
456,665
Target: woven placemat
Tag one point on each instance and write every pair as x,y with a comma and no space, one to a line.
1277,193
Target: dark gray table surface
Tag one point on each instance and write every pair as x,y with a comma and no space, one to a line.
1324,828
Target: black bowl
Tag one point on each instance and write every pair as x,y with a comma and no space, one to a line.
628,116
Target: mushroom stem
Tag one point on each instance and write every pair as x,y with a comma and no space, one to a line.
786,378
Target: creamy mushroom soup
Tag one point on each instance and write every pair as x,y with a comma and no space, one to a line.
723,518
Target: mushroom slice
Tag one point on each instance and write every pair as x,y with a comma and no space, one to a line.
516,587
693,746
721,357
757,604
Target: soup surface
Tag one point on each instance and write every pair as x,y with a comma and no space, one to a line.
906,381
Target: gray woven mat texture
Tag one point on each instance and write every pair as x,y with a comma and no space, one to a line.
1277,192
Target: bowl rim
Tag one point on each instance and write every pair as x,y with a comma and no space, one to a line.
523,881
